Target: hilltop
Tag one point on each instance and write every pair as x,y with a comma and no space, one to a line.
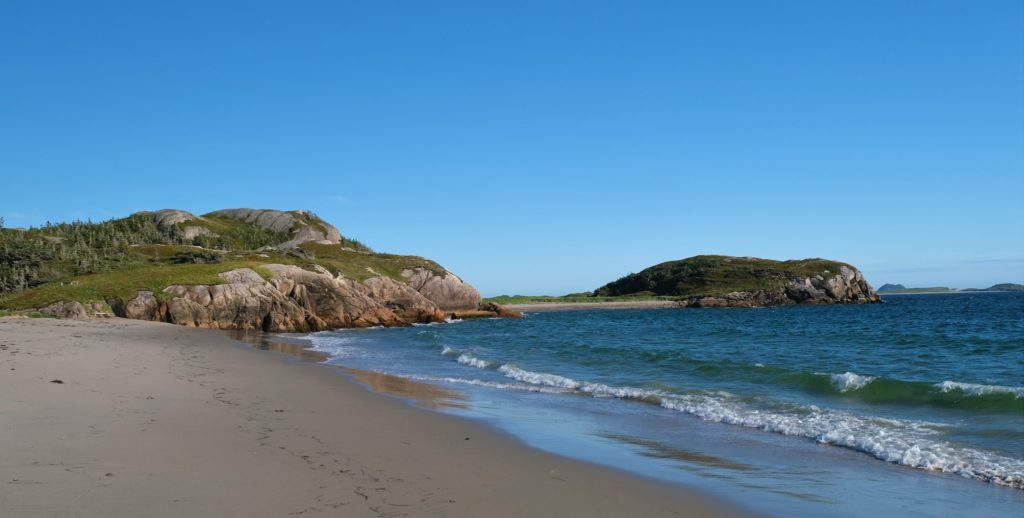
723,281
229,269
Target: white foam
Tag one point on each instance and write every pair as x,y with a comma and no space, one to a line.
850,381
466,359
448,351
897,441
974,389
489,384
538,378
334,345
911,443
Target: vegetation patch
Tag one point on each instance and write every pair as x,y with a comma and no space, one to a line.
361,265
716,275
125,284
233,234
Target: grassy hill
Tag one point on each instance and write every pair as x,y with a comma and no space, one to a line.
85,261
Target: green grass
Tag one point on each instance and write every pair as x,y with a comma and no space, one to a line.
159,253
125,284
355,264
234,234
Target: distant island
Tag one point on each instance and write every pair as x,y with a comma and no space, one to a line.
899,289
724,281
241,269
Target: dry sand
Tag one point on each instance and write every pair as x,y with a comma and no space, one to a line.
157,420
565,306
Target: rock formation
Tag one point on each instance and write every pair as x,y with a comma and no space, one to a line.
173,217
300,225
62,309
448,291
294,299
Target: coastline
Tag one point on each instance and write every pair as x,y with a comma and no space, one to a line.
957,292
157,420
566,306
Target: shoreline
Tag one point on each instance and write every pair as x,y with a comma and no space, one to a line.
567,306
150,419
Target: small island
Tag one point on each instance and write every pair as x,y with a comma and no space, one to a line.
723,281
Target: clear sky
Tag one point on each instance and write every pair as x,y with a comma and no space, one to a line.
539,147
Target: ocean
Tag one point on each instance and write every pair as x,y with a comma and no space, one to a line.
914,406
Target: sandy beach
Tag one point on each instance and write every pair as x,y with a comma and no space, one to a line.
115,417
566,306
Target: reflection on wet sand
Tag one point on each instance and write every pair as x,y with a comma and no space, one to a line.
422,394
663,451
713,466
429,396
265,342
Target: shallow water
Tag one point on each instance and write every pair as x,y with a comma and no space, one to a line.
913,406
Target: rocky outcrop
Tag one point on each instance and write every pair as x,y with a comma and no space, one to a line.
302,226
446,290
292,300
172,217
845,287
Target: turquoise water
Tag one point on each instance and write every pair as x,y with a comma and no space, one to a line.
912,406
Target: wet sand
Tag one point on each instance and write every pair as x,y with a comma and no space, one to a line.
116,417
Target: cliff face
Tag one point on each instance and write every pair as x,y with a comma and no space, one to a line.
722,281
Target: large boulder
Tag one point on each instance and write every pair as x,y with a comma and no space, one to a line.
63,309
173,217
169,217
403,300
446,290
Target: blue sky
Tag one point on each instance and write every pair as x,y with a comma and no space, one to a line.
539,147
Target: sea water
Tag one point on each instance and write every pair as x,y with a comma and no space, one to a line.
911,407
